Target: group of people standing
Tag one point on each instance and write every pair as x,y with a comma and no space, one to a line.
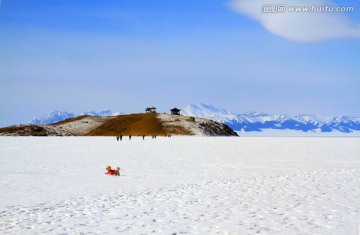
120,137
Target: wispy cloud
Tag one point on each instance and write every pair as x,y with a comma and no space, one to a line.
299,26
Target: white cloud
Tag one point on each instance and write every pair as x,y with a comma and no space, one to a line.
299,26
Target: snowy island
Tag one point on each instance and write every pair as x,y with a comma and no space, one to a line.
130,124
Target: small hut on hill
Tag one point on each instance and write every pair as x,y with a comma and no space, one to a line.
150,109
175,111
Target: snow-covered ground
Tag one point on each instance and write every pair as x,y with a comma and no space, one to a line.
179,185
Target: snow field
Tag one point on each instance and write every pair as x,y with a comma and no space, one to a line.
180,185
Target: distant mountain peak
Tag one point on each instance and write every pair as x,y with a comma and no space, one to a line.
52,117
246,122
57,116
256,121
207,111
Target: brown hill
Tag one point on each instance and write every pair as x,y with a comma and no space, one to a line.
132,124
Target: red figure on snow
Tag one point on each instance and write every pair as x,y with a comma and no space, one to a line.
113,172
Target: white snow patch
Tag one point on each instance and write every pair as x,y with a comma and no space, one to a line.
80,127
170,121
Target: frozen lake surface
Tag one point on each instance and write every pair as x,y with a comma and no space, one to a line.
180,185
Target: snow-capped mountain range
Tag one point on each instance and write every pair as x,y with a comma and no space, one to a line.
246,122
258,122
57,116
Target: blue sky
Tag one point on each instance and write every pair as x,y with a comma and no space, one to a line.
125,55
